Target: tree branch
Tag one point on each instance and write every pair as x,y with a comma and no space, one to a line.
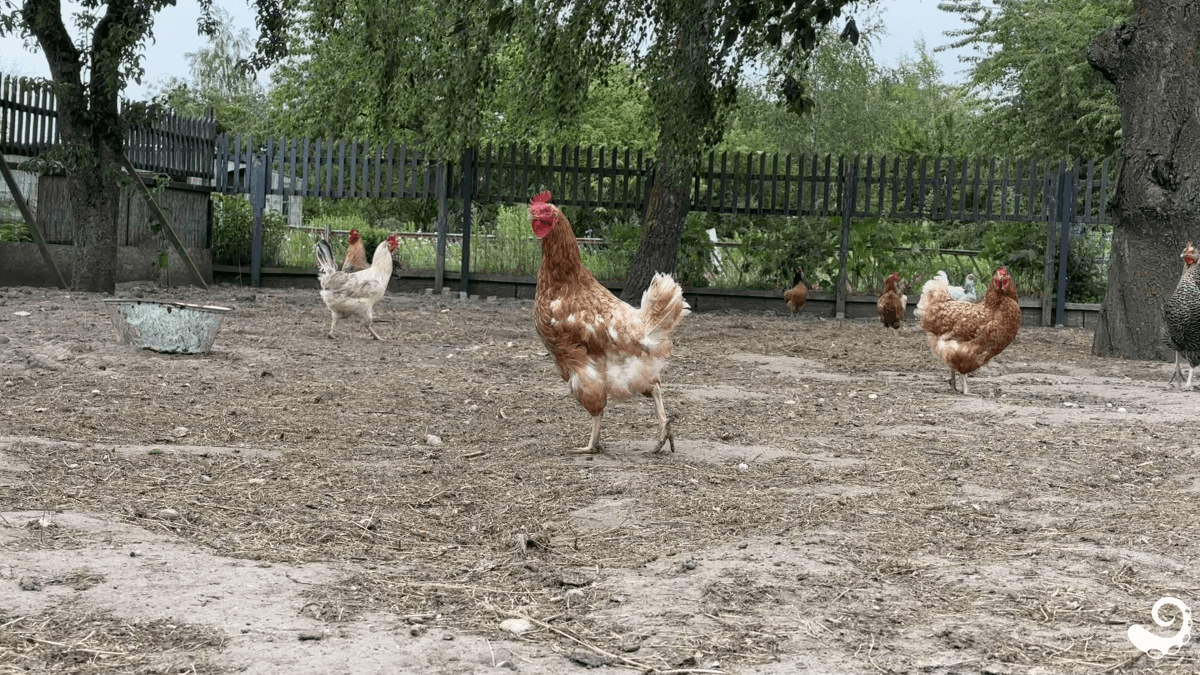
44,19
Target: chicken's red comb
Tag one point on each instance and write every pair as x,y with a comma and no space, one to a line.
543,198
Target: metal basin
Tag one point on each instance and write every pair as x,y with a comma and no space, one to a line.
171,327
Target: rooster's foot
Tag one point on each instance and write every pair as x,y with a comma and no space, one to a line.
667,436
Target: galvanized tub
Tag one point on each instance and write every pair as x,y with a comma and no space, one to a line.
172,327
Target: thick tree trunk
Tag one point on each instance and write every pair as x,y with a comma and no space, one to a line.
684,99
95,208
1152,61
666,215
91,130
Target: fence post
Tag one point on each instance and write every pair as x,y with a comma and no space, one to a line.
850,176
468,191
258,200
1066,209
1052,218
443,201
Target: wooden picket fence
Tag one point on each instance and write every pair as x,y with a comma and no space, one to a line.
179,147
758,184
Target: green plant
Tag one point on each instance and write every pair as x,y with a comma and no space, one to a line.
15,231
233,228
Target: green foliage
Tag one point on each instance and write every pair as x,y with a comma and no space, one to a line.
1040,95
15,231
858,107
233,229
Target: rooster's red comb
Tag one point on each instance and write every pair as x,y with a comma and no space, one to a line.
543,198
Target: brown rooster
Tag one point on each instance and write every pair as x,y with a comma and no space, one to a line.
891,304
795,296
966,335
604,348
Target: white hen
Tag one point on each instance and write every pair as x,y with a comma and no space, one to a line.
352,295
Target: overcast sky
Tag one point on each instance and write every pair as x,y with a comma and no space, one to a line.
175,30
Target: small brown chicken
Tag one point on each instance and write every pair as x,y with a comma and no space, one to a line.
891,304
356,253
798,293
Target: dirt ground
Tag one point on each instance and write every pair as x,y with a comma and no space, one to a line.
290,503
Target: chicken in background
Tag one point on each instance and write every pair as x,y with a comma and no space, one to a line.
604,348
796,296
356,252
1181,316
892,303
964,293
967,335
352,295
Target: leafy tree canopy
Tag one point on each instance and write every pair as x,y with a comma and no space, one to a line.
1039,95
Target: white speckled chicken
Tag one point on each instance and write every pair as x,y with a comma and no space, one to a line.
604,348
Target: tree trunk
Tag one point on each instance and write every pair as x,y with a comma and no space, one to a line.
1152,61
685,103
95,208
91,130
666,214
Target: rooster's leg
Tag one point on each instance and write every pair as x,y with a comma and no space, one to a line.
952,384
372,329
1188,385
964,384
332,324
1178,371
664,424
594,444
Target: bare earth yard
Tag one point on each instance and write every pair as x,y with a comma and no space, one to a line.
279,506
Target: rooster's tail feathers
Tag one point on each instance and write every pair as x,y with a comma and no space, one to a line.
325,257
662,307
934,291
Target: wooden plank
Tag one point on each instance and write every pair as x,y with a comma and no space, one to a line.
575,177
168,230
921,187
974,190
563,175
989,199
402,180
762,168
787,184
882,182
708,182
721,193
30,221
936,190
774,181
1103,205
867,176
640,179
1087,197
376,165
895,184
328,169
828,179
612,181
812,187
1004,189
352,190
625,190
292,188
587,186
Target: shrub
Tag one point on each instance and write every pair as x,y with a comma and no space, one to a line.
233,229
